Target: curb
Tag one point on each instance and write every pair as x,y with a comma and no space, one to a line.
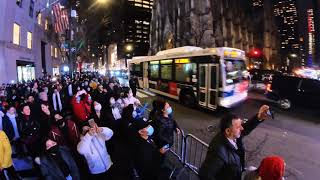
146,92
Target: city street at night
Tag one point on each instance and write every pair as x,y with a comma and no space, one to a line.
159,89
293,134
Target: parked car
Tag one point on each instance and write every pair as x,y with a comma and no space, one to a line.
291,90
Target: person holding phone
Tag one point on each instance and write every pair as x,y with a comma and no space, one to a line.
81,104
226,153
93,147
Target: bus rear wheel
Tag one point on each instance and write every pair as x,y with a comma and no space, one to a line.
188,100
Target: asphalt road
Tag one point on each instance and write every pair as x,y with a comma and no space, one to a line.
293,135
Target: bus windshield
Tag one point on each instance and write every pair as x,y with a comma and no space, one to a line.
236,71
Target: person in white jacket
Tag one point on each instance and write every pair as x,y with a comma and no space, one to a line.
93,147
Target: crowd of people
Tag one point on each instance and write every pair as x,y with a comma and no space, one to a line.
85,127
92,127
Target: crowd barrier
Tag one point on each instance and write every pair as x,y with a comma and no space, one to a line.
190,150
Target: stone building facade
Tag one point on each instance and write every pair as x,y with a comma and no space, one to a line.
27,46
209,23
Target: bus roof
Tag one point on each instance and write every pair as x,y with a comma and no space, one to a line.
191,51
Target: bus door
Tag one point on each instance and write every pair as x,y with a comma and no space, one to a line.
145,70
208,85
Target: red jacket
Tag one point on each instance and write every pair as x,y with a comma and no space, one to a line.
81,110
73,135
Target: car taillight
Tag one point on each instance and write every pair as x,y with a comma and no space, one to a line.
269,87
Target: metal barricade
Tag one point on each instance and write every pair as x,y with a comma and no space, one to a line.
177,148
195,151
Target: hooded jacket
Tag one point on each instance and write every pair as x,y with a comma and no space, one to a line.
94,149
5,151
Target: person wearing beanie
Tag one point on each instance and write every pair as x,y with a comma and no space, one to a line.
146,155
271,168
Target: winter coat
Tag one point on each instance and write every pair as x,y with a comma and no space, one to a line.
50,169
82,109
5,151
223,160
8,127
93,148
164,130
146,158
30,130
73,135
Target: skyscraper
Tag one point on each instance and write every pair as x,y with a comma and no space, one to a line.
257,3
285,12
137,27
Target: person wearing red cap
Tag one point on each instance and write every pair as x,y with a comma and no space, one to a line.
271,168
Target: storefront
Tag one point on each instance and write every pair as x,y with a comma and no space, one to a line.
25,71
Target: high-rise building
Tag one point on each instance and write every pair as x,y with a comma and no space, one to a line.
316,5
285,12
27,48
257,3
137,27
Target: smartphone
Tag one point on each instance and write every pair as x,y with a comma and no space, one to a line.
166,146
92,123
271,114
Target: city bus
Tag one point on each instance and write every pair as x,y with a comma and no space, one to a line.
208,78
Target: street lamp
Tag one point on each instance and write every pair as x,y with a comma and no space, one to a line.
129,48
102,1
293,55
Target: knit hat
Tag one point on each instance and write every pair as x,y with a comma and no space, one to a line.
271,168
140,124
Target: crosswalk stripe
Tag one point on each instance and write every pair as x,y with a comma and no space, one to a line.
141,95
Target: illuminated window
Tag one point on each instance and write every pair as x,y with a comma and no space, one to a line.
39,18
46,25
29,40
52,51
16,34
138,5
56,52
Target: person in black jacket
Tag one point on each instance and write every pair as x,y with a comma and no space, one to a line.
146,155
30,131
165,125
226,153
11,128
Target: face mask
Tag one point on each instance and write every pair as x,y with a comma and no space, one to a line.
60,122
46,90
98,107
86,83
82,84
88,89
53,150
169,110
78,99
150,130
89,98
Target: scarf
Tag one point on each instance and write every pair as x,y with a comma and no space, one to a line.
56,96
13,120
